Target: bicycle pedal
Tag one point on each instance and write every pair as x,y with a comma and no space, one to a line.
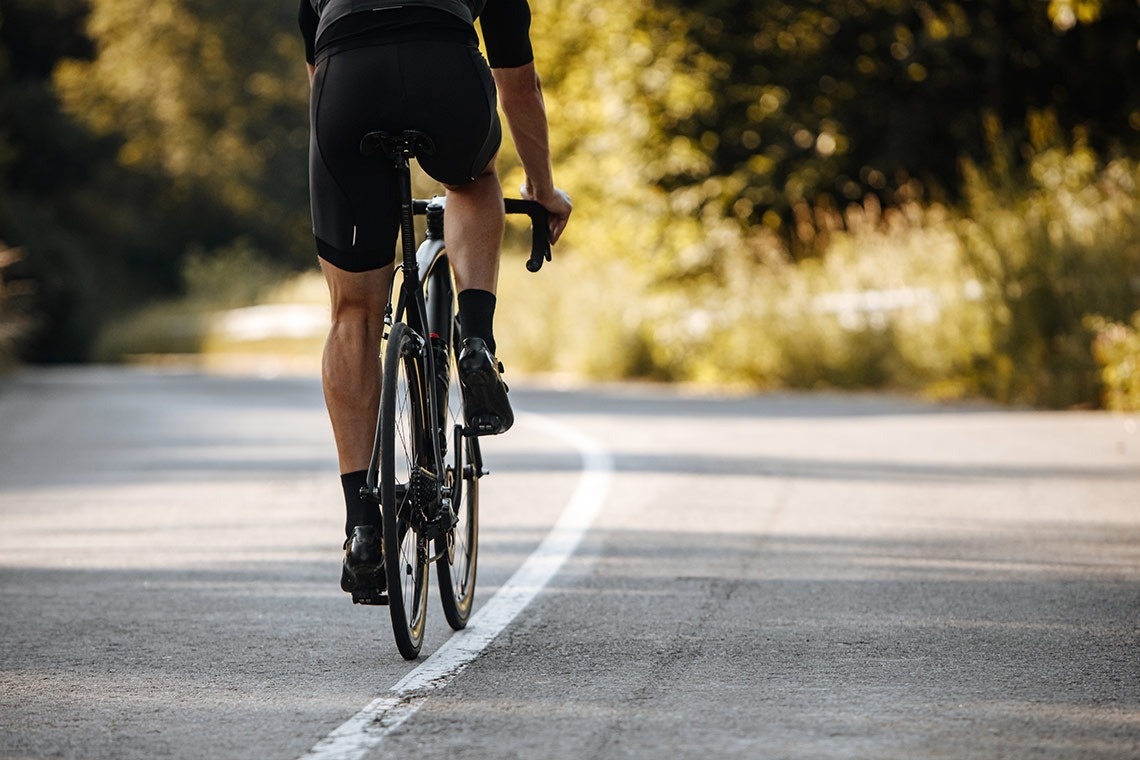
470,472
370,596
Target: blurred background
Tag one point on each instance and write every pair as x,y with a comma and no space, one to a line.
934,197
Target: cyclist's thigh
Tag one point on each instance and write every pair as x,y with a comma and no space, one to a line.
354,198
451,96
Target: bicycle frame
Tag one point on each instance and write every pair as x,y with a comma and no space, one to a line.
414,473
411,308
416,268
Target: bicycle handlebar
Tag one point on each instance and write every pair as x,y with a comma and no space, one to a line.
539,228
539,223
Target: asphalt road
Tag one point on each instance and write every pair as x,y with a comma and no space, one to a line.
774,576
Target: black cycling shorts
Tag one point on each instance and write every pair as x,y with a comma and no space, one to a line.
441,88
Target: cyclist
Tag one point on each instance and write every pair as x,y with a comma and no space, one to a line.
413,64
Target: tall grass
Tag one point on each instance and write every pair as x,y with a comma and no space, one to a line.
1004,298
1116,349
231,277
1029,293
1053,254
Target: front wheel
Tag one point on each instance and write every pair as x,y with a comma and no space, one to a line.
402,422
460,549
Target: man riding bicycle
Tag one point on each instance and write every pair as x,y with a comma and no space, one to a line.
413,64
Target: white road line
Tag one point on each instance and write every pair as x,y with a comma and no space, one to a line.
368,728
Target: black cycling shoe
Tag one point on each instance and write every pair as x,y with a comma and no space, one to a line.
363,568
485,404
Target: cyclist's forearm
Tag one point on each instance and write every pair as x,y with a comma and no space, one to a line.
521,96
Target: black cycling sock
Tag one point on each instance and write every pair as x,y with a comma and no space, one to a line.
359,511
477,315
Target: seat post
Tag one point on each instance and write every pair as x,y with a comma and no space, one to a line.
401,148
407,213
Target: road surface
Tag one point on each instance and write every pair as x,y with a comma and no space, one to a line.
772,576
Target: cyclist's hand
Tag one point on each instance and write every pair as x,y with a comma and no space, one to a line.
558,208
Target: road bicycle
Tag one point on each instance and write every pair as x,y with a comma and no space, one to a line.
426,462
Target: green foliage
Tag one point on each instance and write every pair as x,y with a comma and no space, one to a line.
888,303
991,302
1117,352
616,77
1052,249
831,98
211,94
122,150
38,148
801,192
229,277
712,144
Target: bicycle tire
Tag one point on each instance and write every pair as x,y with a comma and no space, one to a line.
402,421
458,562
457,550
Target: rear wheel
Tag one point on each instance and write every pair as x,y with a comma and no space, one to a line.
402,421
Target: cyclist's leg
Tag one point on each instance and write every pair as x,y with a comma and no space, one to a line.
355,222
475,230
474,240
475,235
349,370
451,96
455,100
350,374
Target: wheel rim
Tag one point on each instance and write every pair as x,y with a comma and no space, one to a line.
466,538
462,554
405,557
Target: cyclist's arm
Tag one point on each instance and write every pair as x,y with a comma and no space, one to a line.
506,34
520,93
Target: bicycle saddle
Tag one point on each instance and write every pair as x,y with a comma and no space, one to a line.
407,144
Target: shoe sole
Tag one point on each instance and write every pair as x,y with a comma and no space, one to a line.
364,578
485,396
370,596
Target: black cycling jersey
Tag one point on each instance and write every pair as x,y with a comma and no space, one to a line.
505,25
331,11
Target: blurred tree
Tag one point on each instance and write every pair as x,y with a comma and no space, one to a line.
826,100
128,136
211,94
620,79
46,164
698,137
704,140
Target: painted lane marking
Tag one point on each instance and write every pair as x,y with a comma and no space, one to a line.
364,731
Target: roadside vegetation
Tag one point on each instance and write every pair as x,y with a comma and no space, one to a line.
937,197
1026,294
